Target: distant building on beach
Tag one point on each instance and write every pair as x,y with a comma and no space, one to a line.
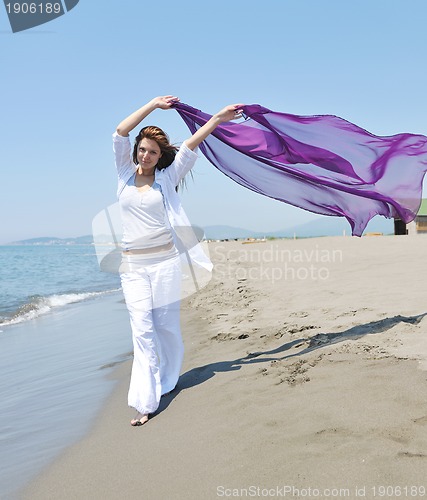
417,226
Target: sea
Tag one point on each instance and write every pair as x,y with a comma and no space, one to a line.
63,327
37,279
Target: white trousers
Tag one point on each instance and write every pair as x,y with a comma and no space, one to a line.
151,288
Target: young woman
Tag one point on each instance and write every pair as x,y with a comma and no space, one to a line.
150,273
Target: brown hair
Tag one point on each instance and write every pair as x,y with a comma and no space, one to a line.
156,134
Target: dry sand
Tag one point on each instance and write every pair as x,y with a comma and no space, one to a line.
304,374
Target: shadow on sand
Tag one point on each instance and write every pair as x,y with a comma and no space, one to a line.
201,374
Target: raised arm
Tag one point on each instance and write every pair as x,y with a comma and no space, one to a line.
231,112
129,123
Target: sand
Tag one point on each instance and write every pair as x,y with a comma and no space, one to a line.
304,377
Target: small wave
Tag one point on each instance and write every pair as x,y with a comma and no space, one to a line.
42,305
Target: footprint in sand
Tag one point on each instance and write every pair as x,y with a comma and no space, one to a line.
420,420
408,454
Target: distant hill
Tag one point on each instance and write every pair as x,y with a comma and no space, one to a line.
51,240
336,226
323,226
229,232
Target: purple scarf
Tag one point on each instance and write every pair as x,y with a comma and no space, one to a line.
323,164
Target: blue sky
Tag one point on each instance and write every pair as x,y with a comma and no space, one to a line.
66,84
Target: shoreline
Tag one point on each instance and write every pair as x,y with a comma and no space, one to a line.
55,373
300,383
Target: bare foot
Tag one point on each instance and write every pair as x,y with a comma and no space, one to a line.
140,419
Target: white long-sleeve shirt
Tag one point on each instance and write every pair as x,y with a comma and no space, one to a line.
167,179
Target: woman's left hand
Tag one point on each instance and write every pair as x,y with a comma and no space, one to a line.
231,112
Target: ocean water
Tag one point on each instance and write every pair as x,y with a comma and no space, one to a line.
63,325
35,279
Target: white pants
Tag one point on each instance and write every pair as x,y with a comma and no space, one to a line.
151,288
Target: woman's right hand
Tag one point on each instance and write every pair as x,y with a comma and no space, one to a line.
164,102
129,123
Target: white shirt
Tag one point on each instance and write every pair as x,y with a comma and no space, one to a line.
184,238
144,218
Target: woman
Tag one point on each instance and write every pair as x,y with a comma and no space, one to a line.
150,272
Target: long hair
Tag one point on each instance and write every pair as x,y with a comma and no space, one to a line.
167,149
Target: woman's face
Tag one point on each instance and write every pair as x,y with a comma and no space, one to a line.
148,155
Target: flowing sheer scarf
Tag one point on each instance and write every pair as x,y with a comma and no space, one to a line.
323,164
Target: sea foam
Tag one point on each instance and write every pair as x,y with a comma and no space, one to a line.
41,305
